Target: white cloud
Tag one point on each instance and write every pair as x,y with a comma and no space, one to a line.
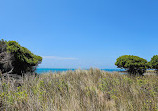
59,58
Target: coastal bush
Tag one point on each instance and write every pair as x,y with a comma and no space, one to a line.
154,62
20,59
133,64
5,58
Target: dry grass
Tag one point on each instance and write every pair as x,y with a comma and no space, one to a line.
81,90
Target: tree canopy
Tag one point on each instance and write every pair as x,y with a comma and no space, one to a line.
133,64
21,59
154,62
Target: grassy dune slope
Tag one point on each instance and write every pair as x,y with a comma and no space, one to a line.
91,90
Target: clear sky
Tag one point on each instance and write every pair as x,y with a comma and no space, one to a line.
82,33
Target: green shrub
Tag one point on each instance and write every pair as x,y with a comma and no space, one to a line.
21,59
5,58
154,62
133,64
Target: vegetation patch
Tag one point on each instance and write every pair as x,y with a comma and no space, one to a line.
81,90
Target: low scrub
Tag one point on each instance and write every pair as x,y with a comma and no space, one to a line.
80,90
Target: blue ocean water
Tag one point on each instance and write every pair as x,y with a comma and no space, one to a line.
45,70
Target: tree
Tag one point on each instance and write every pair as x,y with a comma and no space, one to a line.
133,64
5,58
21,60
154,62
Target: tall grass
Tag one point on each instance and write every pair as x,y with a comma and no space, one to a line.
80,90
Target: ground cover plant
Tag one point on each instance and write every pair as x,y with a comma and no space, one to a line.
80,90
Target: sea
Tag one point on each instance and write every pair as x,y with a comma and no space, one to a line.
46,70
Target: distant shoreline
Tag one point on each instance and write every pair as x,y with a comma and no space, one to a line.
121,71
46,70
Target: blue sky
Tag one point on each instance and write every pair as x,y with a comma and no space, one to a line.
82,33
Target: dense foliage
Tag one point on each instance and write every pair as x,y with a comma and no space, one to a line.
154,62
20,59
133,64
5,58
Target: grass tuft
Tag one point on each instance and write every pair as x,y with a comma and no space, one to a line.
80,90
